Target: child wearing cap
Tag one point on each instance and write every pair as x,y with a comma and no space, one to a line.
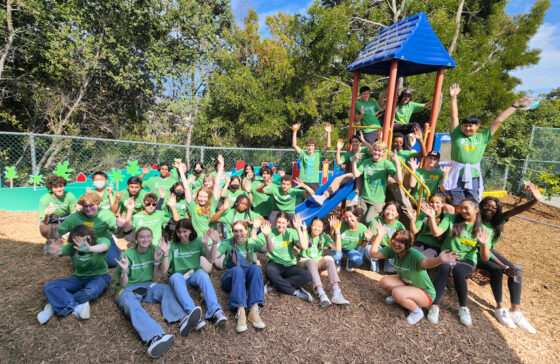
467,149
432,177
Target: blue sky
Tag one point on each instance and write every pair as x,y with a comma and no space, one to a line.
540,78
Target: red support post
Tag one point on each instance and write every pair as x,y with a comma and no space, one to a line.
435,109
353,106
390,101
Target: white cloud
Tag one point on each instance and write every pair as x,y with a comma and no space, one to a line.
544,75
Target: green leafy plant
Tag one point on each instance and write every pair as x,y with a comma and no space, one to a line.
35,179
549,182
10,173
116,175
63,171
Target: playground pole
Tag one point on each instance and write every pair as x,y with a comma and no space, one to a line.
435,109
353,107
390,101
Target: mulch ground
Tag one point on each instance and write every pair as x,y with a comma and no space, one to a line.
366,331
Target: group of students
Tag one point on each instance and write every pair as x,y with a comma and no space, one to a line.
184,226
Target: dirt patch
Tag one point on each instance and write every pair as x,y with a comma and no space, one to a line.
367,331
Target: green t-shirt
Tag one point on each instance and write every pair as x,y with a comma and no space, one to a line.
154,183
375,179
155,221
63,206
404,112
183,257
105,203
201,222
253,245
233,195
138,201
103,224
425,233
316,246
410,270
198,182
263,204
465,244
283,253
347,157
180,206
285,201
396,225
469,150
431,179
369,118
232,215
405,155
87,264
352,239
310,166
493,240
140,267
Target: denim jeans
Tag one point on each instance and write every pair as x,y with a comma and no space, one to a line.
112,254
245,286
355,257
131,305
199,279
67,293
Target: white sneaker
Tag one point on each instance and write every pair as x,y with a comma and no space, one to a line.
374,265
82,311
415,316
522,322
348,268
502,314
302,294
200,325
324,301
355,200
465,316
338,298
433,314
320,199
268,287
46,314
338,268
389,300
158,344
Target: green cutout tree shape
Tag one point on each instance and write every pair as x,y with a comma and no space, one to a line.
116,176
132,168
10,173
36,179
63,171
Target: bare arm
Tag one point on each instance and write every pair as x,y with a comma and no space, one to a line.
356,173
444,257
328,129
298,225
300,184
526,206
218,177
453,110
225,206
507,113
374,250
295,128
398,174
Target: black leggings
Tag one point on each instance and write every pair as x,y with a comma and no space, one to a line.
286,279
496,279
429,251
460,272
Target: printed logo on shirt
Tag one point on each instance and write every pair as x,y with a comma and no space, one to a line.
89,223
143,265
434,176
468,242
470,148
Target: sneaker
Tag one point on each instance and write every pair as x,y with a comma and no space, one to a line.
522,322
502,314
320,199
433,314
82,311
302,294
200,325
158,345
268,287
389,267
218,318
46,314
389,300
188,274
255,317
374,265
241,320
338,268
189,321
414,317
338,298
324,301
355,200
465,316
348,268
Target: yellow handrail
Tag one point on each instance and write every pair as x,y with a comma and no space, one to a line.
422,186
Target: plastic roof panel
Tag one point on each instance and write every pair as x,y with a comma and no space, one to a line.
412,41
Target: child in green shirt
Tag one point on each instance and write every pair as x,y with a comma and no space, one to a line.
310,159
285,197
100,180
421,225
366,113
134,191
240,211
55,206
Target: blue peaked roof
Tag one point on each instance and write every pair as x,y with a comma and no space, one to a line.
412,42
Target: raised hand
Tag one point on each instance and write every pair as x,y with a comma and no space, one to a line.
526,101
81,243
123,263
213,235
161,192
334,223
221,160
299,183
447,256
361,136
266,228
227,204
483,237
191,179
110,188
118,195
296,126
395,159
297,221
339,144
258,223
172,200
130,203
50,209
534,191
146,168
163,246
78,207
121,219
454,90
414,164
381,229
428,210
369,233
446,169
182,168
357,156
228,179
328,127
411,213
417,134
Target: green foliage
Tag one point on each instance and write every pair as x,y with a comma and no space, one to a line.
132,168
62,170
10,173
36,179
115,175
549,182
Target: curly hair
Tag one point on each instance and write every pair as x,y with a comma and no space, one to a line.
54,180
90,198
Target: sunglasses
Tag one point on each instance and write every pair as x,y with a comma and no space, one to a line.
151,204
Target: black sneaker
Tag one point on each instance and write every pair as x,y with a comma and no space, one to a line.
218,318
189,322
158,345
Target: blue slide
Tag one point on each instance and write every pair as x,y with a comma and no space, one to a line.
309,208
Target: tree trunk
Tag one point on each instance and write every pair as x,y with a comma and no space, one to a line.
12,33
457,27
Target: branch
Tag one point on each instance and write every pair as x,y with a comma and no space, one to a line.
374,23
8,45
457,27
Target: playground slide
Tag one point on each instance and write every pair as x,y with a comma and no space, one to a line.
309,208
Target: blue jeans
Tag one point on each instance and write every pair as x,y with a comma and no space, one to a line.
355,257
459,193
244,284
131,305
67,293
112,254
199,279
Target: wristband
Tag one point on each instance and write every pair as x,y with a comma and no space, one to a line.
158,263
127,232
337,232
515,107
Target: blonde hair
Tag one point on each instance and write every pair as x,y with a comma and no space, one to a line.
379,145
90,198
204,210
